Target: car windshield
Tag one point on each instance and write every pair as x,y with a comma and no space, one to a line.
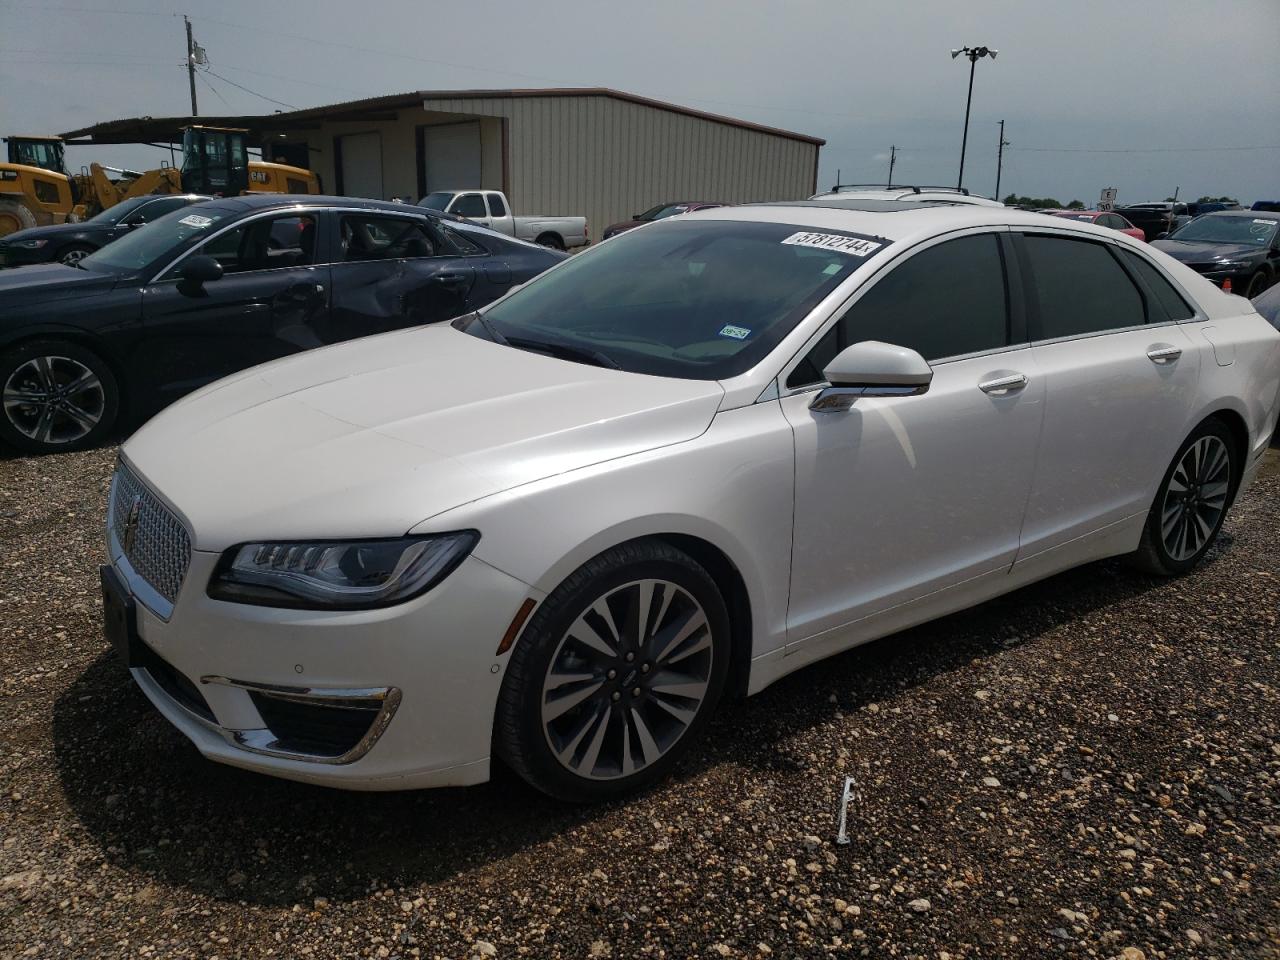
701,300
436,201
164,237
121,210
1256,231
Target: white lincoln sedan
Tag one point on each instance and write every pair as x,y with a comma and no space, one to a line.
678,466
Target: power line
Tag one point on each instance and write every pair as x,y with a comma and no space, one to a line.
216,92
1141,149
247,90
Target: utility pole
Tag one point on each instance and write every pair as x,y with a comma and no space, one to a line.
893,157
1000,159
191,65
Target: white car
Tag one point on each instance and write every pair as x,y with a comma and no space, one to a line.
906,194
681,465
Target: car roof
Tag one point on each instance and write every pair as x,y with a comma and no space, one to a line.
1247,214
261,201
909,195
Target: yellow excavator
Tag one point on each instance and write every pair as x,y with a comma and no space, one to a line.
37,190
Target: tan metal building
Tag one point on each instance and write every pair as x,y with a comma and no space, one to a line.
596,152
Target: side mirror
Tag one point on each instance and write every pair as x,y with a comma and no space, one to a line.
200,269
872,369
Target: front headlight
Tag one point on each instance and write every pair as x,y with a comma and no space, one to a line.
338,575
29,244
1229,264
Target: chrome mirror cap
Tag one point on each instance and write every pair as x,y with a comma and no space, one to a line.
872,369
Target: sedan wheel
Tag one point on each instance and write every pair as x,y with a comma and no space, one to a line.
1191,504
615,675
55,396
619,694
73,255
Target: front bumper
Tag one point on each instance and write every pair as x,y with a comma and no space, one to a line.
22,257
395,698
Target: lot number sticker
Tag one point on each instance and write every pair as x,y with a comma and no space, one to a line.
195,220
737,333
853,246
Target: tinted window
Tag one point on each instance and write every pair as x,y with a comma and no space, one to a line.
1080,288
385,238
265,244
943,302
469,205
1171,303
681,298
496,206
462,244
164,239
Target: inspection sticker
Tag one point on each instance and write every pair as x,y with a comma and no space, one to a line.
737,333
195,220
855,246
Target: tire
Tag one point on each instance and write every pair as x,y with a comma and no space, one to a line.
41,409
550,240
1186,518
578,739
14,216
1257,283
74,253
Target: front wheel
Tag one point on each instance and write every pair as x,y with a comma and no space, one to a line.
616,675
56,396
1191,503
1257,283
73,254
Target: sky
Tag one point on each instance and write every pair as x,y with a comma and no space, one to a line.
1142,95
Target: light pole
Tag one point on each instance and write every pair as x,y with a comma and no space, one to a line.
974,54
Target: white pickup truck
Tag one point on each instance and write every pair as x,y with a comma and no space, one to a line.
491,208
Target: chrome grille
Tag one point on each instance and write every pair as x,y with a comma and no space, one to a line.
160,548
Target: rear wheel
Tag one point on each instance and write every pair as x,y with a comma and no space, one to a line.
616,675
1191,503
55,396
15,216
73,254
550,240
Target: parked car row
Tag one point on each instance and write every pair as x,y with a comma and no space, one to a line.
557,530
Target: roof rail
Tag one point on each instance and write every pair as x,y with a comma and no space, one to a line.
915,188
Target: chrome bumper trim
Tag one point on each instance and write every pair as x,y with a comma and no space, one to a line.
262,741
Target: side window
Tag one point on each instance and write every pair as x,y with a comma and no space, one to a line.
469,205
1174,307
267,244
496,207
462,245
1080,288
385,238
943,302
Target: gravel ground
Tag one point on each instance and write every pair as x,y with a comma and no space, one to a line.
1087,768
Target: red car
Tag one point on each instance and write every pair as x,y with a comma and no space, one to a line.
660,212
1102,218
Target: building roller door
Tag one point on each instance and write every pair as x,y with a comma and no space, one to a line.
360,165
450,156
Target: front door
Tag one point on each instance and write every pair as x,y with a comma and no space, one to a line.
899,497
394,271
270,301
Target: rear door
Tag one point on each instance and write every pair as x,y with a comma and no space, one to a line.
272,298
393,271
1121,378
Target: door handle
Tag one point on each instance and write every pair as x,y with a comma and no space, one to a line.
304,291
1164,354
1003,386
451,279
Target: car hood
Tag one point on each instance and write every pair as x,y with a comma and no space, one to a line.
52,281
1197,251
51,232
369,438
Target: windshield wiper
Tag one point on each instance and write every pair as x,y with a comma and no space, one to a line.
494,334
565,351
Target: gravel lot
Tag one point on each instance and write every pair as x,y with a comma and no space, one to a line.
1087,768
